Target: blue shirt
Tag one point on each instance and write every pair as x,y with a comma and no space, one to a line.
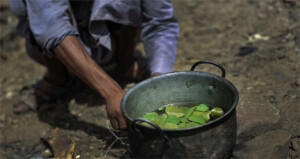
50,22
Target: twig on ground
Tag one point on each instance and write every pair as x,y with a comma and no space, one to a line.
117,139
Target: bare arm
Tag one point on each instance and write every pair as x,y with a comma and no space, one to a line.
74,56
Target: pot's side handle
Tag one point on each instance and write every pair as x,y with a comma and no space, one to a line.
209,62
166,141
134,128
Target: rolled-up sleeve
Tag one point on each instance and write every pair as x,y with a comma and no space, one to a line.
49,22
159,34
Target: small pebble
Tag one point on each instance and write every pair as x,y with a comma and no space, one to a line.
47,153
297,82
9,95
78,156
73,112
294,96
72,101
296,143
2,117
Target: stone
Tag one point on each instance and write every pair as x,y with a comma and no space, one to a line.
9,95
295,143
62,144
47,153
73,101
2,117
272,144
297,82
255,116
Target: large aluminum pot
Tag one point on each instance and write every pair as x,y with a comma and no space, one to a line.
215,139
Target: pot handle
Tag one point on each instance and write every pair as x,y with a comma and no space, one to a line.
166,140
134,128
210,62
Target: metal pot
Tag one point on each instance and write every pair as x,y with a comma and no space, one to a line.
214,139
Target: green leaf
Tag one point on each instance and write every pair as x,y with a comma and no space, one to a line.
184,120
205,115
146,124
189,112
202,108
197,118
172,119
181,125
217,111
191,124
176,110
160,121
151,116
160,108
171,126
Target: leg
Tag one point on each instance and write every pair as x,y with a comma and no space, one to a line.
51,88
56,71
125,41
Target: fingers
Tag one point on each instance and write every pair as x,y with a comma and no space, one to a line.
122,123
114,112
114,123
118,122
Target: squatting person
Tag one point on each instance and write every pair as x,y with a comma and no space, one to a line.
84,36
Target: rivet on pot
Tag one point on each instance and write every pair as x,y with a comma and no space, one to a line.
188,84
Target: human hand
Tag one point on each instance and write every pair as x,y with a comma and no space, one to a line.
114,112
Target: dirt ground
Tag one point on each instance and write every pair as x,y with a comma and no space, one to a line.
220,31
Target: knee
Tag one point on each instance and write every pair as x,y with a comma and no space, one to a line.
33,52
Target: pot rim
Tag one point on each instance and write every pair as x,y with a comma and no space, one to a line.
227,82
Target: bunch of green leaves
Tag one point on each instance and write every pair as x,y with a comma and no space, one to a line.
174,117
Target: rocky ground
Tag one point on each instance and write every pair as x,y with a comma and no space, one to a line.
258,42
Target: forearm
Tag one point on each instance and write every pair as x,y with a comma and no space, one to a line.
74,56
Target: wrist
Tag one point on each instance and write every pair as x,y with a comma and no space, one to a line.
110,91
